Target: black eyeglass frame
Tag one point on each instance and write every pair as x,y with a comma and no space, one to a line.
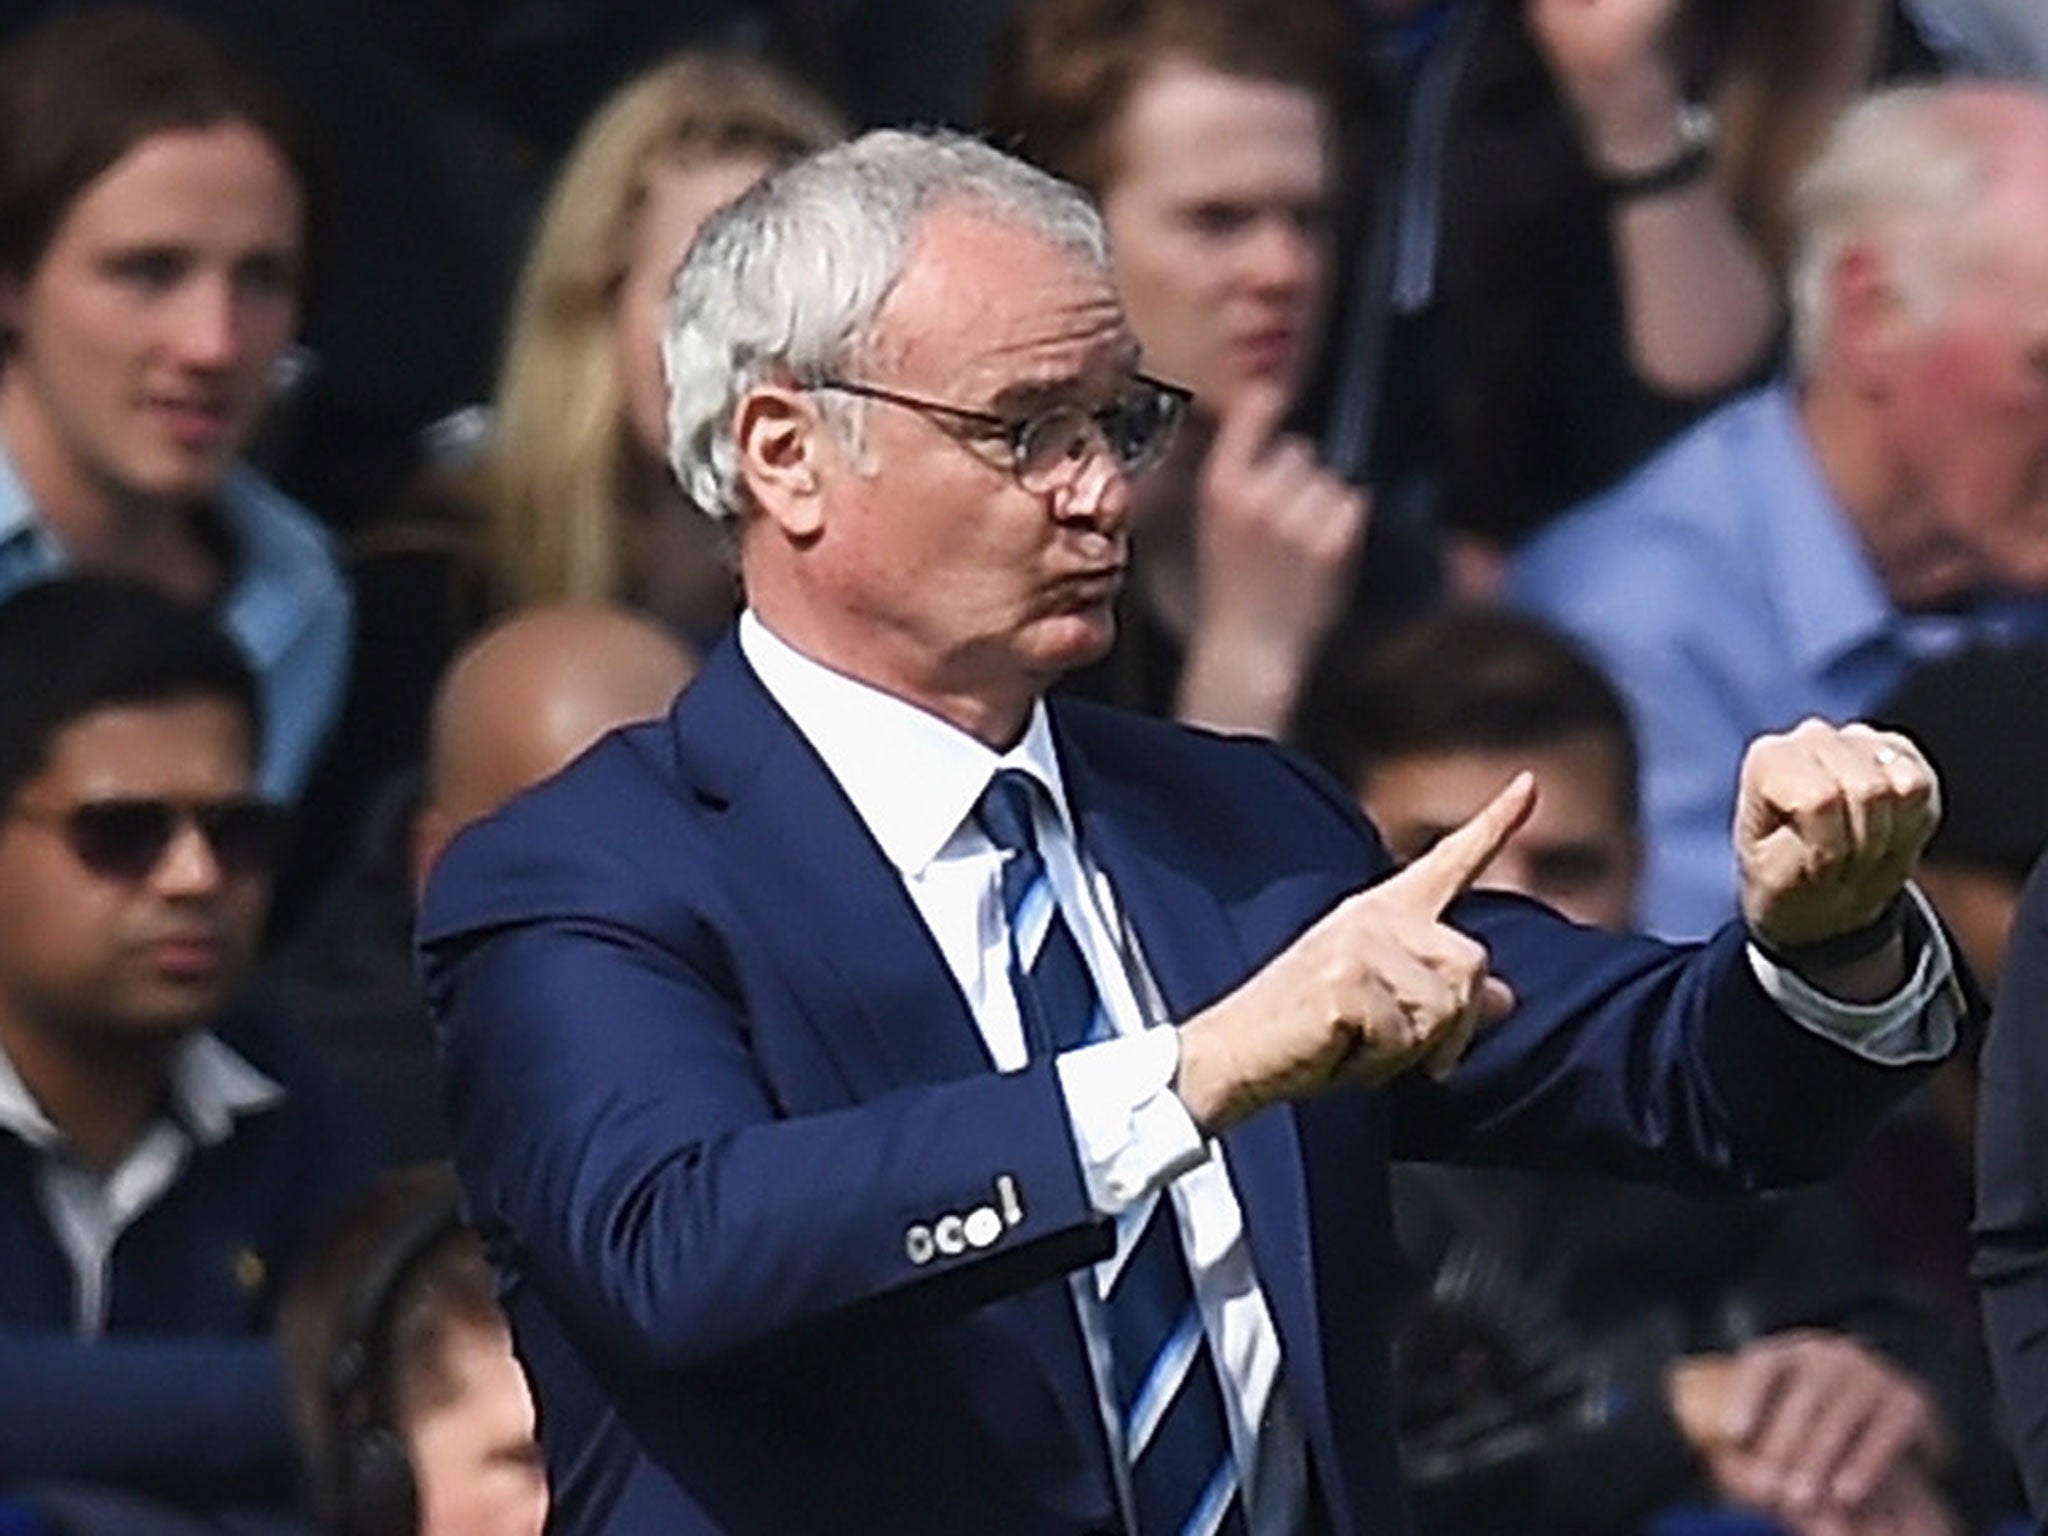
123,837
1018,431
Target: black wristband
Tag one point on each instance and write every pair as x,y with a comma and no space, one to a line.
1843,948
1681,170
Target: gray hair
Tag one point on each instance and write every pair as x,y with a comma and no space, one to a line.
1902,167
785,283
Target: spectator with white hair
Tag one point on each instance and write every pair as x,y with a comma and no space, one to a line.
1799,551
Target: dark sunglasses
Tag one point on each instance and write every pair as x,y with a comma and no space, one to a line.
127,839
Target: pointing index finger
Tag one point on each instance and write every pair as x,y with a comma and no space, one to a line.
1440,876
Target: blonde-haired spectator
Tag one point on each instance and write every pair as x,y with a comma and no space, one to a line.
581,505
562,494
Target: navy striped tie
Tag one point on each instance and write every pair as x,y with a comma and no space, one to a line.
1169,1397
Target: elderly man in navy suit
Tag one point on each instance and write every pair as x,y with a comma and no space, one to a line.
899,1101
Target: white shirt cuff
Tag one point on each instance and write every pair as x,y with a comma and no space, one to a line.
1916,1023
1131,1132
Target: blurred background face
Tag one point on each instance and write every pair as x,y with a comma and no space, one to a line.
1968,409
143,341
525,697
94,957
679,198
474,1455
1218,206
1577,852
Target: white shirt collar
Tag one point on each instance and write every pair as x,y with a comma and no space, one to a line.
209,1085
212,1084
912,777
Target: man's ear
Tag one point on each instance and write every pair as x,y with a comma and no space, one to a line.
781,441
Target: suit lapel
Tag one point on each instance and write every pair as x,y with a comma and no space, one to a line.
1196,955
853,947
820,894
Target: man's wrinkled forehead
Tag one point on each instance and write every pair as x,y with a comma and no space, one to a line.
1010,299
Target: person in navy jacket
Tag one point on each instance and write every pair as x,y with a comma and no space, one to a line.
167,1151
806,1218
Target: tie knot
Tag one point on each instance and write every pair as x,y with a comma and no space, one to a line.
1004,811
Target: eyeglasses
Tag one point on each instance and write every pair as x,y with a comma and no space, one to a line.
1047,449
127,839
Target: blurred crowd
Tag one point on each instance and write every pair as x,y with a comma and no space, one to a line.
1581,385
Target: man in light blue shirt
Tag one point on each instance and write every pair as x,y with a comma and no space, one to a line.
152,246
1802,548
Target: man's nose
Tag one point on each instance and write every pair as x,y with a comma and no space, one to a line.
1100,491
208,325
1279,254
189,865
1512,872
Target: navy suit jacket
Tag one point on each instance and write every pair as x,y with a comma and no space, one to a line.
713,1090
2011,1230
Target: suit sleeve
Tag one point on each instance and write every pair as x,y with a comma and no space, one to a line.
2011,1231
1633,1057
1645,1061
658,1138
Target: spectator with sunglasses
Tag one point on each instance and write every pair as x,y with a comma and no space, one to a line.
165,1152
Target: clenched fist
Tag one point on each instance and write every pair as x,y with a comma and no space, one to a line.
1829,825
